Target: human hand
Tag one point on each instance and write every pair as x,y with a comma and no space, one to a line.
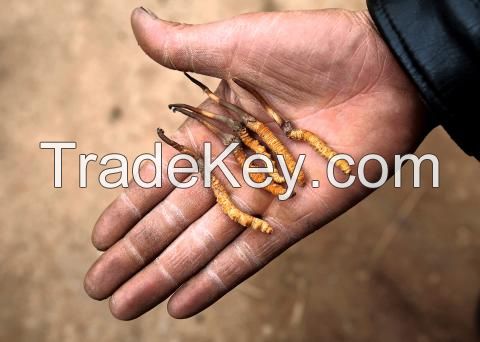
329,72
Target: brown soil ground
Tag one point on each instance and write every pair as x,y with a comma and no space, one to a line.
403,265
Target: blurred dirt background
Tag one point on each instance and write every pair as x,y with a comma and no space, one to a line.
402,266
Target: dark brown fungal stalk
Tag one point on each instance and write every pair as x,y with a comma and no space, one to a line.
238,153
256,126
226,138
240,131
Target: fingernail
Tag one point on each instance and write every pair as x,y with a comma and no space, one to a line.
149,12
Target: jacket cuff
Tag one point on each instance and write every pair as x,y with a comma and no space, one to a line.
436,42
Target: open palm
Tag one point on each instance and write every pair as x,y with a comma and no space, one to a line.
328,72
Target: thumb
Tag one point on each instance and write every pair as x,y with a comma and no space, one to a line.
206,49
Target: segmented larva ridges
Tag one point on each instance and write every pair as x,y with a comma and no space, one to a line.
276,146
254,145
273,188
320,146
235,214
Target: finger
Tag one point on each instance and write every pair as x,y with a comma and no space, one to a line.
242,258
192,250
130,206
147,239
206,48
186,255
250,251
125,211
156,229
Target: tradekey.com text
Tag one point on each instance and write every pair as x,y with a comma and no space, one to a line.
211,163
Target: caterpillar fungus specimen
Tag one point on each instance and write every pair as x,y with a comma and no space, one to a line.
295,133
239,130
221,194
256,126
239,153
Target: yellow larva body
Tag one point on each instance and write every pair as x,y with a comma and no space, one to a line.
257,147
273,188
320,146
235,214
276,146
221,194
295,134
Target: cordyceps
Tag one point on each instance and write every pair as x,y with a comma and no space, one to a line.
221,194
241,134
239,130
295,133
256,126
239,153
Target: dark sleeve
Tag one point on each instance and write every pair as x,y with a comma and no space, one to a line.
438,44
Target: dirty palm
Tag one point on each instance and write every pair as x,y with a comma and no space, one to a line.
326,71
